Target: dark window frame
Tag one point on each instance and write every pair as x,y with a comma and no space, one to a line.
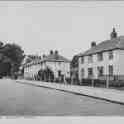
111,70
59,72
100,70
90,72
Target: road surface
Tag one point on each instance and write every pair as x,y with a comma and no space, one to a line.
27,100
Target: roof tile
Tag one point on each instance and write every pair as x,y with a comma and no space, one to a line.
56,57
117,43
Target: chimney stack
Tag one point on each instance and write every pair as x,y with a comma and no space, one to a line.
44,55
51,52
113,34
56,52
93,44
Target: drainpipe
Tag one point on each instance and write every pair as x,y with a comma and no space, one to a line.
92,82
107,82
65,80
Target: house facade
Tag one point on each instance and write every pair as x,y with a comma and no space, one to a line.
31,69
103,60
57,64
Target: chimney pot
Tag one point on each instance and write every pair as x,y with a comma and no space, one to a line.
56,52
51,52
113,34
44,55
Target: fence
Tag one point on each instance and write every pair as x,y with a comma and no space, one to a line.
105,81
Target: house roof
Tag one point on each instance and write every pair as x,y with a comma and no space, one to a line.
51,57
55,57
115,43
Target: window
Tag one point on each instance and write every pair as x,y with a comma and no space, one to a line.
100,70
59,63
100,56
59,73
82,72
90,72
90,59
110,70
82,60
110,54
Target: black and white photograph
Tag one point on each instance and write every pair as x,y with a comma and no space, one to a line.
62,58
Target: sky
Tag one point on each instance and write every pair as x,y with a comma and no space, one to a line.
68,27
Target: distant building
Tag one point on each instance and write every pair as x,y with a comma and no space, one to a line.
103,59
57,64
30,67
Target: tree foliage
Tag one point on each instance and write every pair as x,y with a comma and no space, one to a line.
46,74
74,62
14,52
11,53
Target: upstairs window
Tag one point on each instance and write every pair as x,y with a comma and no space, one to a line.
111,70
100,56
90,59
82,72
90,72
59,63
59,73
82,59
100,70
110,55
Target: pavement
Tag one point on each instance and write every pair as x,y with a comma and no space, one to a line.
111,95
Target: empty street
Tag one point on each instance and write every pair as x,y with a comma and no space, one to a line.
23,99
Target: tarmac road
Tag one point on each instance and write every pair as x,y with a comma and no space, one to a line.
27,100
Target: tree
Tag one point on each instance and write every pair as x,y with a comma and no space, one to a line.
13,54
74,69
74,62
46,74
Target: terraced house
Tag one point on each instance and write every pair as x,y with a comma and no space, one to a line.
103,60
49,66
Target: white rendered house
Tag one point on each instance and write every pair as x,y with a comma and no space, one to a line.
104,59
58,64
31,69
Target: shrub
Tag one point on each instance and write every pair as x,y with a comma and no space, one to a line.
57,80
85,82
99,83
68,80
116,83
88,82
